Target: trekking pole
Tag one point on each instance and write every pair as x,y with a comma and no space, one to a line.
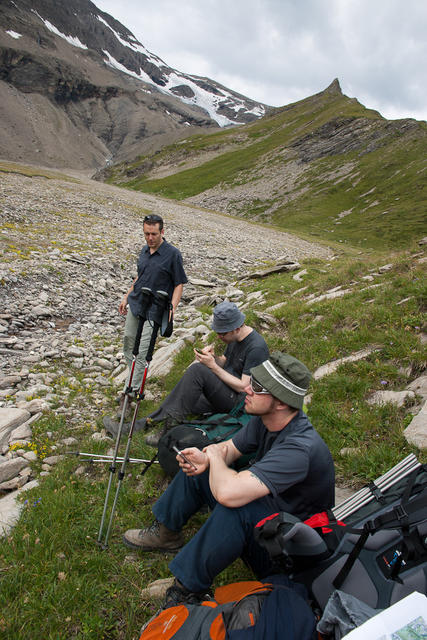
145,304
367,494
161,300
385,486
99,457
409,461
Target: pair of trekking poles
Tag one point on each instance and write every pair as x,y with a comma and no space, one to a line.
159,304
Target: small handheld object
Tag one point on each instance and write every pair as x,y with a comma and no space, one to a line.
178,452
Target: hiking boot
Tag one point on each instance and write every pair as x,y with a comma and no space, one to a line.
112,427
167,423
153,439
157,537
157,590
178,594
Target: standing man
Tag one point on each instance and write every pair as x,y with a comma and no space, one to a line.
213,383
159,268
293,471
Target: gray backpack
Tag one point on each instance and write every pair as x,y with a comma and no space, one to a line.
377,554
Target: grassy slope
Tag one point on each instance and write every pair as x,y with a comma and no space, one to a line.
266,135
57,583
385,189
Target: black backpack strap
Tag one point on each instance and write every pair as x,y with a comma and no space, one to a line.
376,492
352,557
397,517
224,436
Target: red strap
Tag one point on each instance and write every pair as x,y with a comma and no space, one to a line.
321,521
264,520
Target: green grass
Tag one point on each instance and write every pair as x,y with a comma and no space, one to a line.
387,187
56,582
267,135
369,197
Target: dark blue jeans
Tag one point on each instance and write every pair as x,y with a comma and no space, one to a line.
226,535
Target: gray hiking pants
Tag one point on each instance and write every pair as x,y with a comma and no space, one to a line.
131,326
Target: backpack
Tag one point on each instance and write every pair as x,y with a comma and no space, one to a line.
377,553
200,433
274,609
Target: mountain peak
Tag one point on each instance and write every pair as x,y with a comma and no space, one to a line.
334,87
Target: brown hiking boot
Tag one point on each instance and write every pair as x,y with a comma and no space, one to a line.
157,537
112,426
153,439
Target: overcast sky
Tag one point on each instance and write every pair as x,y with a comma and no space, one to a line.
280,51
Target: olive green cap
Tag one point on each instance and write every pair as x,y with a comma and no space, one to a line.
285,377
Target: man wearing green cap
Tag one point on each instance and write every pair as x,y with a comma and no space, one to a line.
292,470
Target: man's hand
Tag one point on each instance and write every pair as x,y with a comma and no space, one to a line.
123,306
216,452
206,356
198,458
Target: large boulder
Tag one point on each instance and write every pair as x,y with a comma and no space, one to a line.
416,432
10,418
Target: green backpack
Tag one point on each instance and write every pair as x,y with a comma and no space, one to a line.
200,433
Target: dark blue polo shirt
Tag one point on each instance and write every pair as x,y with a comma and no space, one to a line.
162,270
294,463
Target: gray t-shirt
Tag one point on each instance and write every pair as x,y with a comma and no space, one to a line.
294,463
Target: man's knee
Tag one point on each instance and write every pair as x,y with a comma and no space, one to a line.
128,342
243,518
195,374
198,372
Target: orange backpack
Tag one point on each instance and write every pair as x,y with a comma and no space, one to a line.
237,609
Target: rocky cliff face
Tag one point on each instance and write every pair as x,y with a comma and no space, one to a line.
78,89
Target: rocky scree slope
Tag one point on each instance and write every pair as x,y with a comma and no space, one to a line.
79,90
68,254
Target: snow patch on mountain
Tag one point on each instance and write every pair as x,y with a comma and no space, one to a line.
15,35
134,45
73,40
200,97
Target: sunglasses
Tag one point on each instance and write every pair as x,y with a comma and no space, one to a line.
257,388
153,219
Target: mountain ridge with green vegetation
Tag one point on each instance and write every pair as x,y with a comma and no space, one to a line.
325,166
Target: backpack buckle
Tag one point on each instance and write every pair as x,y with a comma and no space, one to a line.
400,512
370,527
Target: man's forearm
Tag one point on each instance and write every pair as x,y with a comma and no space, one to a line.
176,295
131,288
220,477
237,384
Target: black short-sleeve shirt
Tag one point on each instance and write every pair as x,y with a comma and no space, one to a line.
294,463
162,270
242,356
